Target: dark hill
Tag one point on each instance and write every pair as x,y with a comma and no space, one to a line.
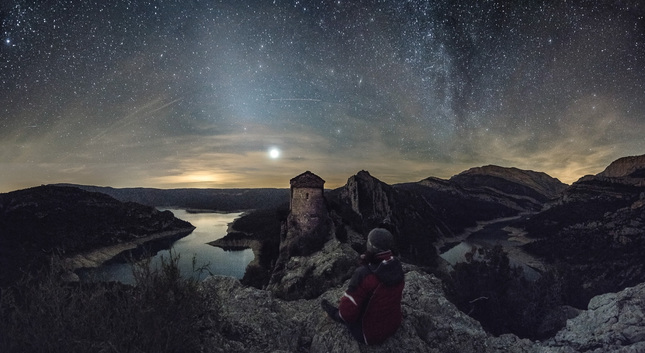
485,193
206,199
595,231
38,221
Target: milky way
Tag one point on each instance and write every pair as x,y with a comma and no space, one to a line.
251,93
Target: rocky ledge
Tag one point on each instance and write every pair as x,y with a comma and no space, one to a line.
253,320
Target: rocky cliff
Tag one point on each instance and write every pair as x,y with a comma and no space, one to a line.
253,320
626,167
366,202
37,222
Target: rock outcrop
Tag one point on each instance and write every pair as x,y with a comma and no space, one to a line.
253,320
366,202
614,322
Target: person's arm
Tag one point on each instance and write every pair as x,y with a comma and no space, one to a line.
358,293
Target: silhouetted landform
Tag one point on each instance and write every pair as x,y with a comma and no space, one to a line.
486,193
197,199
590,235
420,215
259,231
596,230
67,221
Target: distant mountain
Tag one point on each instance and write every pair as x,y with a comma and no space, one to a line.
207,199
40,221
596,229
511,181
485,193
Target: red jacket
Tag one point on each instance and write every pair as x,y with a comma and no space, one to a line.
373,298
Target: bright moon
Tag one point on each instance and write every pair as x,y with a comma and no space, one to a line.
274,153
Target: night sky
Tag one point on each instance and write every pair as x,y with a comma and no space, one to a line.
240,93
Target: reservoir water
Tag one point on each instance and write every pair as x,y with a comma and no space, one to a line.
209,226
488,235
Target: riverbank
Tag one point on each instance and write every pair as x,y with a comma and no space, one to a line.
97,257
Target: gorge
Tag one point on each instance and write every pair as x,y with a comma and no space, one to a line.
589,237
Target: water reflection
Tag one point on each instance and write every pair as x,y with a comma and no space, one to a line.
193,251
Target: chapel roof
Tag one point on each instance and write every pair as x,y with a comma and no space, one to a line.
307,180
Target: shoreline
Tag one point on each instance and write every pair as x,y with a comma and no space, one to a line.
97,257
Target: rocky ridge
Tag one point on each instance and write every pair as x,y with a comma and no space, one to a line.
626,167
540,184
253,320
208,199
366,202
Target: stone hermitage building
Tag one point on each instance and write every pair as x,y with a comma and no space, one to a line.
307,229
307,205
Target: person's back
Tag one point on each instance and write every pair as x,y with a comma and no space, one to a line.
371,306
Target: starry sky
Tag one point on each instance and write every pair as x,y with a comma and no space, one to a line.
222,94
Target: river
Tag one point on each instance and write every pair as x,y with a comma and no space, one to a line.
209,226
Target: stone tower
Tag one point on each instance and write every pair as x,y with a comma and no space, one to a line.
307,205
307,228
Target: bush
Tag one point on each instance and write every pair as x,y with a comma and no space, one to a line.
162,313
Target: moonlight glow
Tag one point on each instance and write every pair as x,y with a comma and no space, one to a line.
274,153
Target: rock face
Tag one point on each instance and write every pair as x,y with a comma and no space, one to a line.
626,167
613,321
365,202
38,221
252,320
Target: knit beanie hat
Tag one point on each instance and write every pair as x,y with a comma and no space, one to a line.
379,240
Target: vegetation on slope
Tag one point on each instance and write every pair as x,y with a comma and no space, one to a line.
162,313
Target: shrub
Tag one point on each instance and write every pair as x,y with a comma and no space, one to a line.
162,313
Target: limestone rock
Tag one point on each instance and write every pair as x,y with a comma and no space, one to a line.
310,276
633,166
253,320
613,321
